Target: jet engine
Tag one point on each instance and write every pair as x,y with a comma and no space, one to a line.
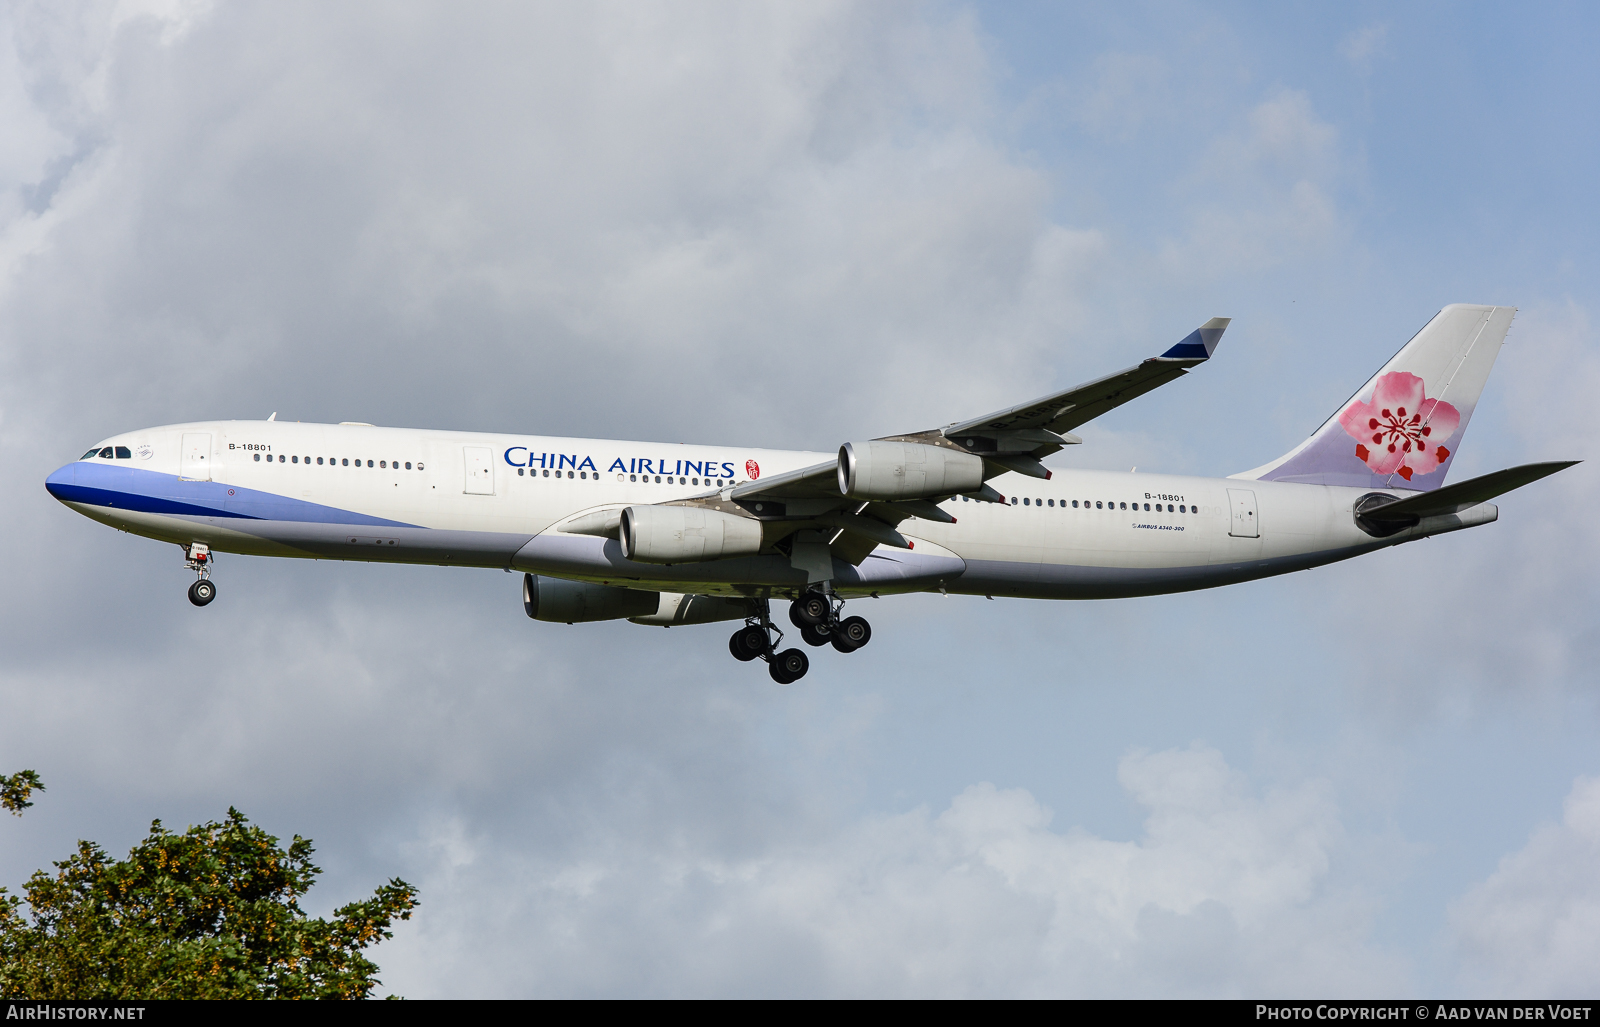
686,534
568,602
906,470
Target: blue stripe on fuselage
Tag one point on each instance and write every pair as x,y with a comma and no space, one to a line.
129,488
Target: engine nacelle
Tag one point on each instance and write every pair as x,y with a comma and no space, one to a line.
569,602
906,470
686,534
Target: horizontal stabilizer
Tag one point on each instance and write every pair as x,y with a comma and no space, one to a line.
1464,495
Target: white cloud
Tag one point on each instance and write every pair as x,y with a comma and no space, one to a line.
1365,44
1264,194
1533,927
1126,91
1227,892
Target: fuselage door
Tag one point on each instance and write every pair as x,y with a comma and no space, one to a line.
196,464
480,470
1245,523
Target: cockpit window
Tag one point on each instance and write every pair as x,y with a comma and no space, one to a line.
91,454
105,454
124,453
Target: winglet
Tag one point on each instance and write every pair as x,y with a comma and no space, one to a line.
1200,343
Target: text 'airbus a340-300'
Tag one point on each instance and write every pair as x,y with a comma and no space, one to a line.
670,535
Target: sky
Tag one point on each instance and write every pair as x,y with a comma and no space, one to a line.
794,225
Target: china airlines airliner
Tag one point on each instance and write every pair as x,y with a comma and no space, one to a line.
675,534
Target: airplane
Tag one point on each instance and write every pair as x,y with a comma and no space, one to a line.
677,534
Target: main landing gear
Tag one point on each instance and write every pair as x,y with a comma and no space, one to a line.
198,558
816,614
755,641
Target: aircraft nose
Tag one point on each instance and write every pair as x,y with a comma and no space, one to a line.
61,480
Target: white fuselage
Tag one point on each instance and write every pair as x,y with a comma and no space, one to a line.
499,500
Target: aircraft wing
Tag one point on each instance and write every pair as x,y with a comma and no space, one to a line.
1013,439
818,480
1061,412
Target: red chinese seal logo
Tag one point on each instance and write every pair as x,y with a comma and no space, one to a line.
753,469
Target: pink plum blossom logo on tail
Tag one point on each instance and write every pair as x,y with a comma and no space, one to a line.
1401,431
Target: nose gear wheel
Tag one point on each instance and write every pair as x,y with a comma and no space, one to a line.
198,558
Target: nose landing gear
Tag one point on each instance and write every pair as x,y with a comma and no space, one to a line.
198,558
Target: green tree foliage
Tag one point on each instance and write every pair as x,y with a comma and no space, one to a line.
14,790
210,913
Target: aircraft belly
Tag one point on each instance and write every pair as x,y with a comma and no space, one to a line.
1103,581
311,540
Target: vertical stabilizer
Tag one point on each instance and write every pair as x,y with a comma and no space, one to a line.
1405,425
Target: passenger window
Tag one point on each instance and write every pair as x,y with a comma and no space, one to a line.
694,481
1183,509
519,472
546,474
294,459
345,462
1024,501
1074,504
384,464
408,465
1051,502
1097,504
319,461
369,463
633,477
658,479
258,458
584,475
1013,500
419,465
280,458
